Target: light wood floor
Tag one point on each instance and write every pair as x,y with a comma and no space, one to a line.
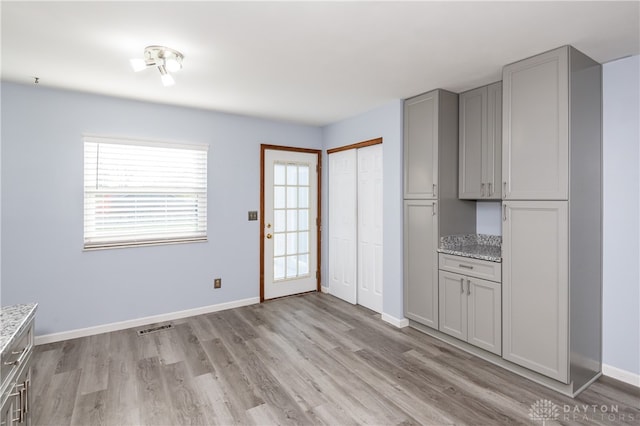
309,359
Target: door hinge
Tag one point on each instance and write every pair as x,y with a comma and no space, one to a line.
317,275
317,168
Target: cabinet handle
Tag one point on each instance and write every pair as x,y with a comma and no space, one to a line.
435,207
468,287
27,385
434,189
15,362
461,285
504,188
490,189
482,189
504,212
465,266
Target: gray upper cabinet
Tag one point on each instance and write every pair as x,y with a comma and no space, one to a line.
535,149
421,146
481,143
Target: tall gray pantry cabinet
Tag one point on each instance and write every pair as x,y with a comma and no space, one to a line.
431,205
552,216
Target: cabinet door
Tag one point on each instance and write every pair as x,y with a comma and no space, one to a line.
421,261
492,150
473,137
535,286
421,146
485,314
453,304
535,153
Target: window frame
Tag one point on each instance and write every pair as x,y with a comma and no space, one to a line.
94,240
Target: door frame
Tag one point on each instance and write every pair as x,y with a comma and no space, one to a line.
318,152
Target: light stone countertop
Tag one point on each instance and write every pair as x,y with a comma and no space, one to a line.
476,246
13,320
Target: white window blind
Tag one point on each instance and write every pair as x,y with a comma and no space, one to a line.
141,192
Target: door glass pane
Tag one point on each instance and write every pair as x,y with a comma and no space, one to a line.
303,264
303,175
292,197
303,197
278,197
292,267
279,221
292,242
303,222
278,245
278,174
291,221
278,268
303,242
292,174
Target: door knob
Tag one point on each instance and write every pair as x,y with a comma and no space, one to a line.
269,236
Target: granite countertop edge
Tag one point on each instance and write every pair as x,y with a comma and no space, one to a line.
471,254
13,321
475,246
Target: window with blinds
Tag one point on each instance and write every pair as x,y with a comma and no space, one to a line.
142,193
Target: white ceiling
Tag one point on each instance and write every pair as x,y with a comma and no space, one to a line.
306,62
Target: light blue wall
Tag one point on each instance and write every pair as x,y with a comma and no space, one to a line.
385,122
42,198
621,150
489,217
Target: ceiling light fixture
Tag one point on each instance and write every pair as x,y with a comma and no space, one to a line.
165,59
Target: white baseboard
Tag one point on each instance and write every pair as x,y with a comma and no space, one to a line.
122,325
622,375
400,323
324,289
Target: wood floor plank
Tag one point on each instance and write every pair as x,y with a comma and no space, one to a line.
89,409
154,400
186,407
122,406
309,360
95,362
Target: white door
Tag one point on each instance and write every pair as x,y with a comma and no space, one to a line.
342,223
355,222
370,227
290,222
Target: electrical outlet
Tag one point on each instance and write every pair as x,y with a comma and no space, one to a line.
253,215
217,282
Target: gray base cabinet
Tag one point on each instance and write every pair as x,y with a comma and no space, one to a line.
470,307
421,261
535,251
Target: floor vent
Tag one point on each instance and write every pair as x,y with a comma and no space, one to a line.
154,329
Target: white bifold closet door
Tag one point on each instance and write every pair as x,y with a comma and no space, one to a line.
355,226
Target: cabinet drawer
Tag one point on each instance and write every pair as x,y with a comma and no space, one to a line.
16,354
477,268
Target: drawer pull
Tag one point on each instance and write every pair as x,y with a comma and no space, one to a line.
468,287
16,362
465,266
461,285
18,352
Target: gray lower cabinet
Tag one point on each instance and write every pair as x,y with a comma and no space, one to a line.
481,143
535,279
421,261
470,310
